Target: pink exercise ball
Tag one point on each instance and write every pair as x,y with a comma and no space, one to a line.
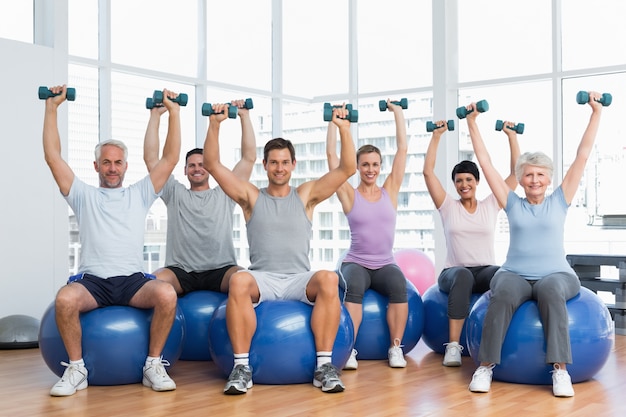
417,267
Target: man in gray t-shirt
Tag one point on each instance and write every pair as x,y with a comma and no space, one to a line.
199,254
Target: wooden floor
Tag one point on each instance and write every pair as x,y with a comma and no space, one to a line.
424,388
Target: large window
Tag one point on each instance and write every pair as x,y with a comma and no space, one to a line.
290,57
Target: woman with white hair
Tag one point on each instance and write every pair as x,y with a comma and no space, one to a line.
535,266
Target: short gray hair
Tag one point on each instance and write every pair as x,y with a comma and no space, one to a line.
537,159
112,142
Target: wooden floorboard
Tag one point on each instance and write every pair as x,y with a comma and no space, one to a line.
424,388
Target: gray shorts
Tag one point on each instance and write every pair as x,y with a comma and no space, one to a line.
277,286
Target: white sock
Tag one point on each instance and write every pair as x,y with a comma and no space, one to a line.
149,359
324,357
79,362
242,359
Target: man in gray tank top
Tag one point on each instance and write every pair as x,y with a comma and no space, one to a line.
278,222
199,253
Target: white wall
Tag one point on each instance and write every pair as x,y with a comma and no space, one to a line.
33,215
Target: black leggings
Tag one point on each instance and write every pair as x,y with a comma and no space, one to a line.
388,280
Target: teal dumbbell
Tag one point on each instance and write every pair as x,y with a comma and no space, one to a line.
207,110
518,128
353,115
482,106
404,103
248,104
583,98
150,104
431,126
157,99
45,92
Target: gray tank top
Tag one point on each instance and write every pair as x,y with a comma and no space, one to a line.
279,234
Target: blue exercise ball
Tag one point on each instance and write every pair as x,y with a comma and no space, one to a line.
198,308
524,350
372,341
114,342
282,349
436,324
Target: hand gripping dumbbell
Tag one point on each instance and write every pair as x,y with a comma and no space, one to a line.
353,115
157,99
207,110
583,98
45,92
518,128
404,103
431,126
482,106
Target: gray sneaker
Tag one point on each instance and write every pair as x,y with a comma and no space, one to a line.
239,380
327,377
74,379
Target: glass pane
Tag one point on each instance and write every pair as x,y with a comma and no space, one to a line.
130,117
504,39
239,43
83,122
162,37
83,28
16,20
594,33
395,45
599,201
517,103
315,60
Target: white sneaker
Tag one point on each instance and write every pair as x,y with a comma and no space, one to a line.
396,356
74,378
453,354
561,382
155,376
352,362
481,380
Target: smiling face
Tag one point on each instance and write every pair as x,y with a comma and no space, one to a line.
368,165
279,166
194,170
111,166
535,181
465,184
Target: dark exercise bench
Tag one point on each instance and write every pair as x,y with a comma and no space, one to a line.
587,267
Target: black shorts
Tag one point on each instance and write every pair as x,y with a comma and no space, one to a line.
210,280
113,291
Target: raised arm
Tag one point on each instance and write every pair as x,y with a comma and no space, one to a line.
345,192
499,188
435,189
151,138
243,168
61,171
162,170
394,180
315,191
240,190
575,172
511,180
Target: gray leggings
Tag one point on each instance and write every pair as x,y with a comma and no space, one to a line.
460,282
388,280
509,291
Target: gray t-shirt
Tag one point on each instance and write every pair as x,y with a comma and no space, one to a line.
279,234
199,228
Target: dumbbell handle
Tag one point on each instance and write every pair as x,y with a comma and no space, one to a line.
404,103
44,93
482,106
518,128
582,97
181,99
431,126
207,110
